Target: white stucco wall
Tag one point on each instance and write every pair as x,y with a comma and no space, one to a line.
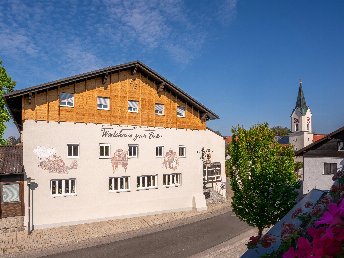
93,200
313,173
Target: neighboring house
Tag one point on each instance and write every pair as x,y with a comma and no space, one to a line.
301,125
11,181
117,142
321,160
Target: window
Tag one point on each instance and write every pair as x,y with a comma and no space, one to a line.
119,184
66,100
182,151
296,127
104,150
73,150
133,106
341,146
10,192
133,151
103,103
61,187
212,172
180,111
159,151
147,182
172,179
330,168
159,109
307,127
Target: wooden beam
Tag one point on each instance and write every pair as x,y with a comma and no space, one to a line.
160,87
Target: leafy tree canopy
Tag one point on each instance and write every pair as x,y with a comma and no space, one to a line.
262,176
6,85
280,131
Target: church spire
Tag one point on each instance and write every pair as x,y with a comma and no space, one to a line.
301,102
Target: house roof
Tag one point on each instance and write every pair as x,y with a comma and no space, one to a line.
319,142
317,137
11,160
301,101
13,101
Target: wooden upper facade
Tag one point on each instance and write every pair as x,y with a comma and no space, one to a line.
119,85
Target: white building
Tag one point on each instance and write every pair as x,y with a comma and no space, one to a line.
321,160
117,142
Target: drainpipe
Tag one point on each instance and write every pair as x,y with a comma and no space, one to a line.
29,205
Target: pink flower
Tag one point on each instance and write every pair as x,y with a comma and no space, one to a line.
333,215
308,204
267,240
291,253
296,213
304,248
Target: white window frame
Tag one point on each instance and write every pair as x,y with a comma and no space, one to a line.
157,150
157,112
183,147
182,108
104,145
117,181
103,106
175,180
132,109
142,182
64,102
137,150
63,188
73,156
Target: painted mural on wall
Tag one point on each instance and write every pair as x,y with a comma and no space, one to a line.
120,158
49,160
171,160
206,156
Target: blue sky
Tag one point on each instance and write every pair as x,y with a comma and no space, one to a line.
242,59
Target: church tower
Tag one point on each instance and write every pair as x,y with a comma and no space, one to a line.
301,123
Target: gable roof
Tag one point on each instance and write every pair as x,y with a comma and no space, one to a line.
11,160
13,101
319,142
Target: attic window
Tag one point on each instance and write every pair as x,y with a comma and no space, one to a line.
66,100
180,111
133,106
341,146
103,103
159,109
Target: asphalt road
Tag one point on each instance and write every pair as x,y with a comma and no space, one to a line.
181,241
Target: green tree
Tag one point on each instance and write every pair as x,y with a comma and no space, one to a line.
6,86
261,175
280,131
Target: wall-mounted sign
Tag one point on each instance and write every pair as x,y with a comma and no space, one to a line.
131,133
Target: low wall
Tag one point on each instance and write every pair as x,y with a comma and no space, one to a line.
11,224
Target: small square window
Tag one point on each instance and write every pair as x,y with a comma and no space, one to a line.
341,146
182,151
103,103
180,111
104,150
133,106
330,168
73,150
66,100
159,109
133,151
159,151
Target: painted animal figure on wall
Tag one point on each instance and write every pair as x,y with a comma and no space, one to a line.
120,158
49,160
206,156
171,160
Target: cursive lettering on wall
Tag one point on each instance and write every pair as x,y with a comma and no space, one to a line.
109,132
